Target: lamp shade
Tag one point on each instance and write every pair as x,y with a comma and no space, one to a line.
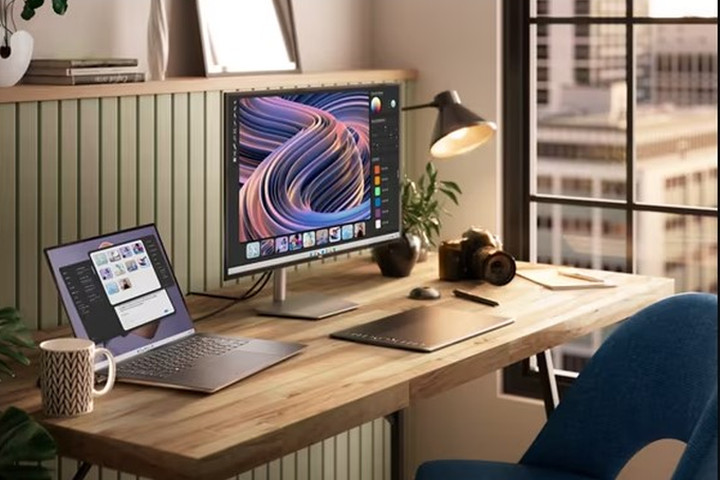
457,129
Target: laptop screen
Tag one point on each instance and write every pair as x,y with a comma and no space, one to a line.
119,290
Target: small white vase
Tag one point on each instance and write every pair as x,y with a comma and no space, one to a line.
16,64
157,40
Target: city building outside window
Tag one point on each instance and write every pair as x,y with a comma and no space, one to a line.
617,164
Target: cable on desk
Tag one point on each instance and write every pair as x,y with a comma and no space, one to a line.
249,293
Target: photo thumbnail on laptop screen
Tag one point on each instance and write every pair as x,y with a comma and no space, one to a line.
119,289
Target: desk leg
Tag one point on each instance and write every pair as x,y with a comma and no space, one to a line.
397,445
82,471
551,398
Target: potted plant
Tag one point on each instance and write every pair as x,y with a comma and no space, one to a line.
422,208
16,46
23,441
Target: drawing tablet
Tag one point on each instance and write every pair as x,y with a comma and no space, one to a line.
423,329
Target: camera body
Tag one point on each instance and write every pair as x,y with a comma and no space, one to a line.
477,255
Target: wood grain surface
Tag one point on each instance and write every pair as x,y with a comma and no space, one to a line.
333,385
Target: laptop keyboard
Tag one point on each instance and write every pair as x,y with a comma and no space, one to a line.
179,356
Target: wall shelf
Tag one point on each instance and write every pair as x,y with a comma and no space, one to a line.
34,93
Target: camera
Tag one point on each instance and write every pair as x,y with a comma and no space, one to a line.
477,255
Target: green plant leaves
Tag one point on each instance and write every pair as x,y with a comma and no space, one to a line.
28,11
421,207
14,336
22,439
59,6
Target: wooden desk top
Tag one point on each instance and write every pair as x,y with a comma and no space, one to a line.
333,385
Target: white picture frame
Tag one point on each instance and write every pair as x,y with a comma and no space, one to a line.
247,36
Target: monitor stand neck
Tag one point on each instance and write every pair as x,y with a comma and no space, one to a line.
308,306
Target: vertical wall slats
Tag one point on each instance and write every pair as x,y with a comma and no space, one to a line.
302,464
8,199
196,208
377,452
366,452
180,241
316,461
109,166
164,170
146,159
213,190
89,140
49,196
288,467
69,221
341,456
354,460
128,161
28,246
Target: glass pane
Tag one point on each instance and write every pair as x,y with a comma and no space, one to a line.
578,8
581,236
683,247
676,8
580,104
676,119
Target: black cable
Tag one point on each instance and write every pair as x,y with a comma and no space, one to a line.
254,289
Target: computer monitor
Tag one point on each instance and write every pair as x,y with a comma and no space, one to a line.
309,173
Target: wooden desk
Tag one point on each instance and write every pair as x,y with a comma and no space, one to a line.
333,385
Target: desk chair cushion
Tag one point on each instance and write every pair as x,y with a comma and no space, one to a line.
653,378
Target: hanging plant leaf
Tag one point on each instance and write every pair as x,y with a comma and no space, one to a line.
59,6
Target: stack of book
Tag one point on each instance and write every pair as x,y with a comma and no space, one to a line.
83,71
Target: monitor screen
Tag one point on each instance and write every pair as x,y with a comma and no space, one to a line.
309,173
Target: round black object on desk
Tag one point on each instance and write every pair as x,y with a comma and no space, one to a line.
398,257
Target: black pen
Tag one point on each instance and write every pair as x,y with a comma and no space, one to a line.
474,298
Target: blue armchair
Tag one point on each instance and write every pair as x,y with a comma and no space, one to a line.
655,377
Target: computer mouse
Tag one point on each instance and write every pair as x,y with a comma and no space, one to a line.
424,293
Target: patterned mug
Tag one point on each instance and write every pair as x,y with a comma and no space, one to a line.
67,376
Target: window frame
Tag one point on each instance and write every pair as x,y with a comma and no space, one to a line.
517,196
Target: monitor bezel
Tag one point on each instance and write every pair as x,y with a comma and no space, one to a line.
230,273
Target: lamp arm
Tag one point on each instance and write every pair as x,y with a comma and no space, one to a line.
424,105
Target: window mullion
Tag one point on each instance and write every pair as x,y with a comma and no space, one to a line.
630,261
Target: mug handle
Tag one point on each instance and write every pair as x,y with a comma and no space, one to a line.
110,375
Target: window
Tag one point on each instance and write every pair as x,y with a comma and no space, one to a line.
619,171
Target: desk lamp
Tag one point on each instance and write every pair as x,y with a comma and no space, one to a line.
457,129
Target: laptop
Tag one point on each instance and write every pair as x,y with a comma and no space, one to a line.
423,329
119,291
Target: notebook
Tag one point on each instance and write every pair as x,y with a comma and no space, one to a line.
119,291
423,329
562,279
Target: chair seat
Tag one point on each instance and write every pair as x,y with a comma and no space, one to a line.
481,470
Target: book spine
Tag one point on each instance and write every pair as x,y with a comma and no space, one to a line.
109,78
51,71
84,62
83,79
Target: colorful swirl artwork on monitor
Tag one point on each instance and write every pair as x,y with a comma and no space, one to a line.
304,162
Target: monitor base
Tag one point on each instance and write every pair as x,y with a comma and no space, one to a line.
308,306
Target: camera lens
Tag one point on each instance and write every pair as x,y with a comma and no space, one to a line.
493,265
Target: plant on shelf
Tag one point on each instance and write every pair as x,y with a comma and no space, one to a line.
23,441
7,22
423,206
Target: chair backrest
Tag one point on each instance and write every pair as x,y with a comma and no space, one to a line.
655,377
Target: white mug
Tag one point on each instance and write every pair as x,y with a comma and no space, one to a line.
67,376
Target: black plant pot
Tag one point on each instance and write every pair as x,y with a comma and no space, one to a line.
397,258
